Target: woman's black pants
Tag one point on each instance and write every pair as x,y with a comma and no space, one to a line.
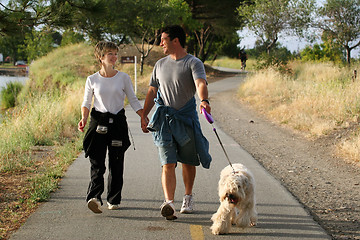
115,178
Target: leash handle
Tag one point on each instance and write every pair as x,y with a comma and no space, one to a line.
208,116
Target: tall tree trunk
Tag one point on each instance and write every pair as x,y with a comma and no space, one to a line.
142,60
208,50
202,38
348,54
271,45
144,52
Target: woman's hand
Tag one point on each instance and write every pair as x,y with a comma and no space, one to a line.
85,114
144,123
82,124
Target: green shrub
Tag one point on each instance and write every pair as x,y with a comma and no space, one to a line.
323,53
277,60
9,94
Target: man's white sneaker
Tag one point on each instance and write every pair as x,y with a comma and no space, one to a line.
168,210
94,205
113,206
187,205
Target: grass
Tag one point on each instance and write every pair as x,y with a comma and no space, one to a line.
317,100
38,138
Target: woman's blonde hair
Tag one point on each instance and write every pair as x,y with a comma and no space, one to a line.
102,48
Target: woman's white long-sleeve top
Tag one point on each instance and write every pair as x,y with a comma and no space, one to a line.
109,93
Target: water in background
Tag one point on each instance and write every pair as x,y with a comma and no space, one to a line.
6,79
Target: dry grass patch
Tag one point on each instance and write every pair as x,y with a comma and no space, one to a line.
315,101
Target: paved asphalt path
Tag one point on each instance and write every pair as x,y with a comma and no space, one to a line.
65,215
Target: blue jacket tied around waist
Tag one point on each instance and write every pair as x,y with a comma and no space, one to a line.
167,124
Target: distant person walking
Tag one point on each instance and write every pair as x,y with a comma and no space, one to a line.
108,129
243,57
175,124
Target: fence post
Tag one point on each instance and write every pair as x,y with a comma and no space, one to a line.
135,76
354,76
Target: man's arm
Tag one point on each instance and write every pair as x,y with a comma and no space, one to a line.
202,92
149,103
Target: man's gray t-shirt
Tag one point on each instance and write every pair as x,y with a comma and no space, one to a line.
175,79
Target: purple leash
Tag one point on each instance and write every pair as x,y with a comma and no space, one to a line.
211,120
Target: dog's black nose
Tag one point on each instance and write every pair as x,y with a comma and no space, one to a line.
231,196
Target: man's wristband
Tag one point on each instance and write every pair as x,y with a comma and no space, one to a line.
205,100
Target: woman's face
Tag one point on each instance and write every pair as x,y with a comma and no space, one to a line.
110,58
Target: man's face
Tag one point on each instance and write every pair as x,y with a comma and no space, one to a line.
167,44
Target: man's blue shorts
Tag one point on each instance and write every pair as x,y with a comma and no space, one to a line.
174,153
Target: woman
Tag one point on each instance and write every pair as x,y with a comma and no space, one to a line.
108,130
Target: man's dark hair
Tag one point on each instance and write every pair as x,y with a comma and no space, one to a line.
176,31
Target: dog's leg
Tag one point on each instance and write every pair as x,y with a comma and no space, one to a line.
247,216
252,212
234,214
253,216
221,219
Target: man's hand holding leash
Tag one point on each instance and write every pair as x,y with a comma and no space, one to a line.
205,104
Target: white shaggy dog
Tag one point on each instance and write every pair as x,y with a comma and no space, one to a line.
237,198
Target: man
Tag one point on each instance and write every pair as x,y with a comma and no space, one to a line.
243,57
175,124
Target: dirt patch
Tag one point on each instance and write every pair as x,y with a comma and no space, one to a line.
328,186
15,206
14,210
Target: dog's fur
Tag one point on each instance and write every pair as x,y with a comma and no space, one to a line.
237,200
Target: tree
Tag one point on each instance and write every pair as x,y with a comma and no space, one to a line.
328,50
226,46
38,43
20,14
14,17
341,21
142,27
18,18
142,20
269,19
69,36
93,21
14,24
10,46
211,24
